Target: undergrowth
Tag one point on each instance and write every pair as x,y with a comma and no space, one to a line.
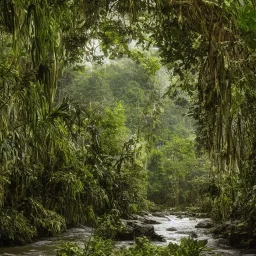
105,247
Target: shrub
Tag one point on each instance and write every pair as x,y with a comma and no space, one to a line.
46,222
70,249
15,228
105,247
109,226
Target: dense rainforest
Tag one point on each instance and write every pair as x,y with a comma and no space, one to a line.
170,121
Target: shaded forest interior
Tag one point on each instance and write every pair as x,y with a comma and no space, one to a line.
115,106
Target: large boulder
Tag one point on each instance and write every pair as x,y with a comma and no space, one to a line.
240,239
147,230
205,224
236,233
126,234
143,229
136,228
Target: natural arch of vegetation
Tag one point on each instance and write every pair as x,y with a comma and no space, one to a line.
50,150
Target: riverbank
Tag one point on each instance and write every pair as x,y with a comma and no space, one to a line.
171,227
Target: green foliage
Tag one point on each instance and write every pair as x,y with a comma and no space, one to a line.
114,129
99,247
15,228
108,226
70,249
176,173
150,63
246,23
122,80
143,247
45,221
188,247
114,148
62,163
95,247
208,46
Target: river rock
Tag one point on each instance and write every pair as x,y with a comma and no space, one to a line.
159,214
144,218
135,217
171,229
136,228
222,242
239,239
126,234
236,233
143,229
193,234
156,237
148,231
150,221
144,213
205,224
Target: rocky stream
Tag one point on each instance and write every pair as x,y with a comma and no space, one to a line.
169,227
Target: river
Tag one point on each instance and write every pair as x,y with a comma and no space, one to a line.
183,226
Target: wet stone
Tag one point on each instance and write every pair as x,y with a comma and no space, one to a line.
205,224
150,221
171,229
159,214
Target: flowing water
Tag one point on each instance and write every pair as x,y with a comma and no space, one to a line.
49,245
184,227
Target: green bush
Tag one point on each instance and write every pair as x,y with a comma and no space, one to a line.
100,247
70,249
105,247
187,247
15,228
143,247
47,222
109,226
97,246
